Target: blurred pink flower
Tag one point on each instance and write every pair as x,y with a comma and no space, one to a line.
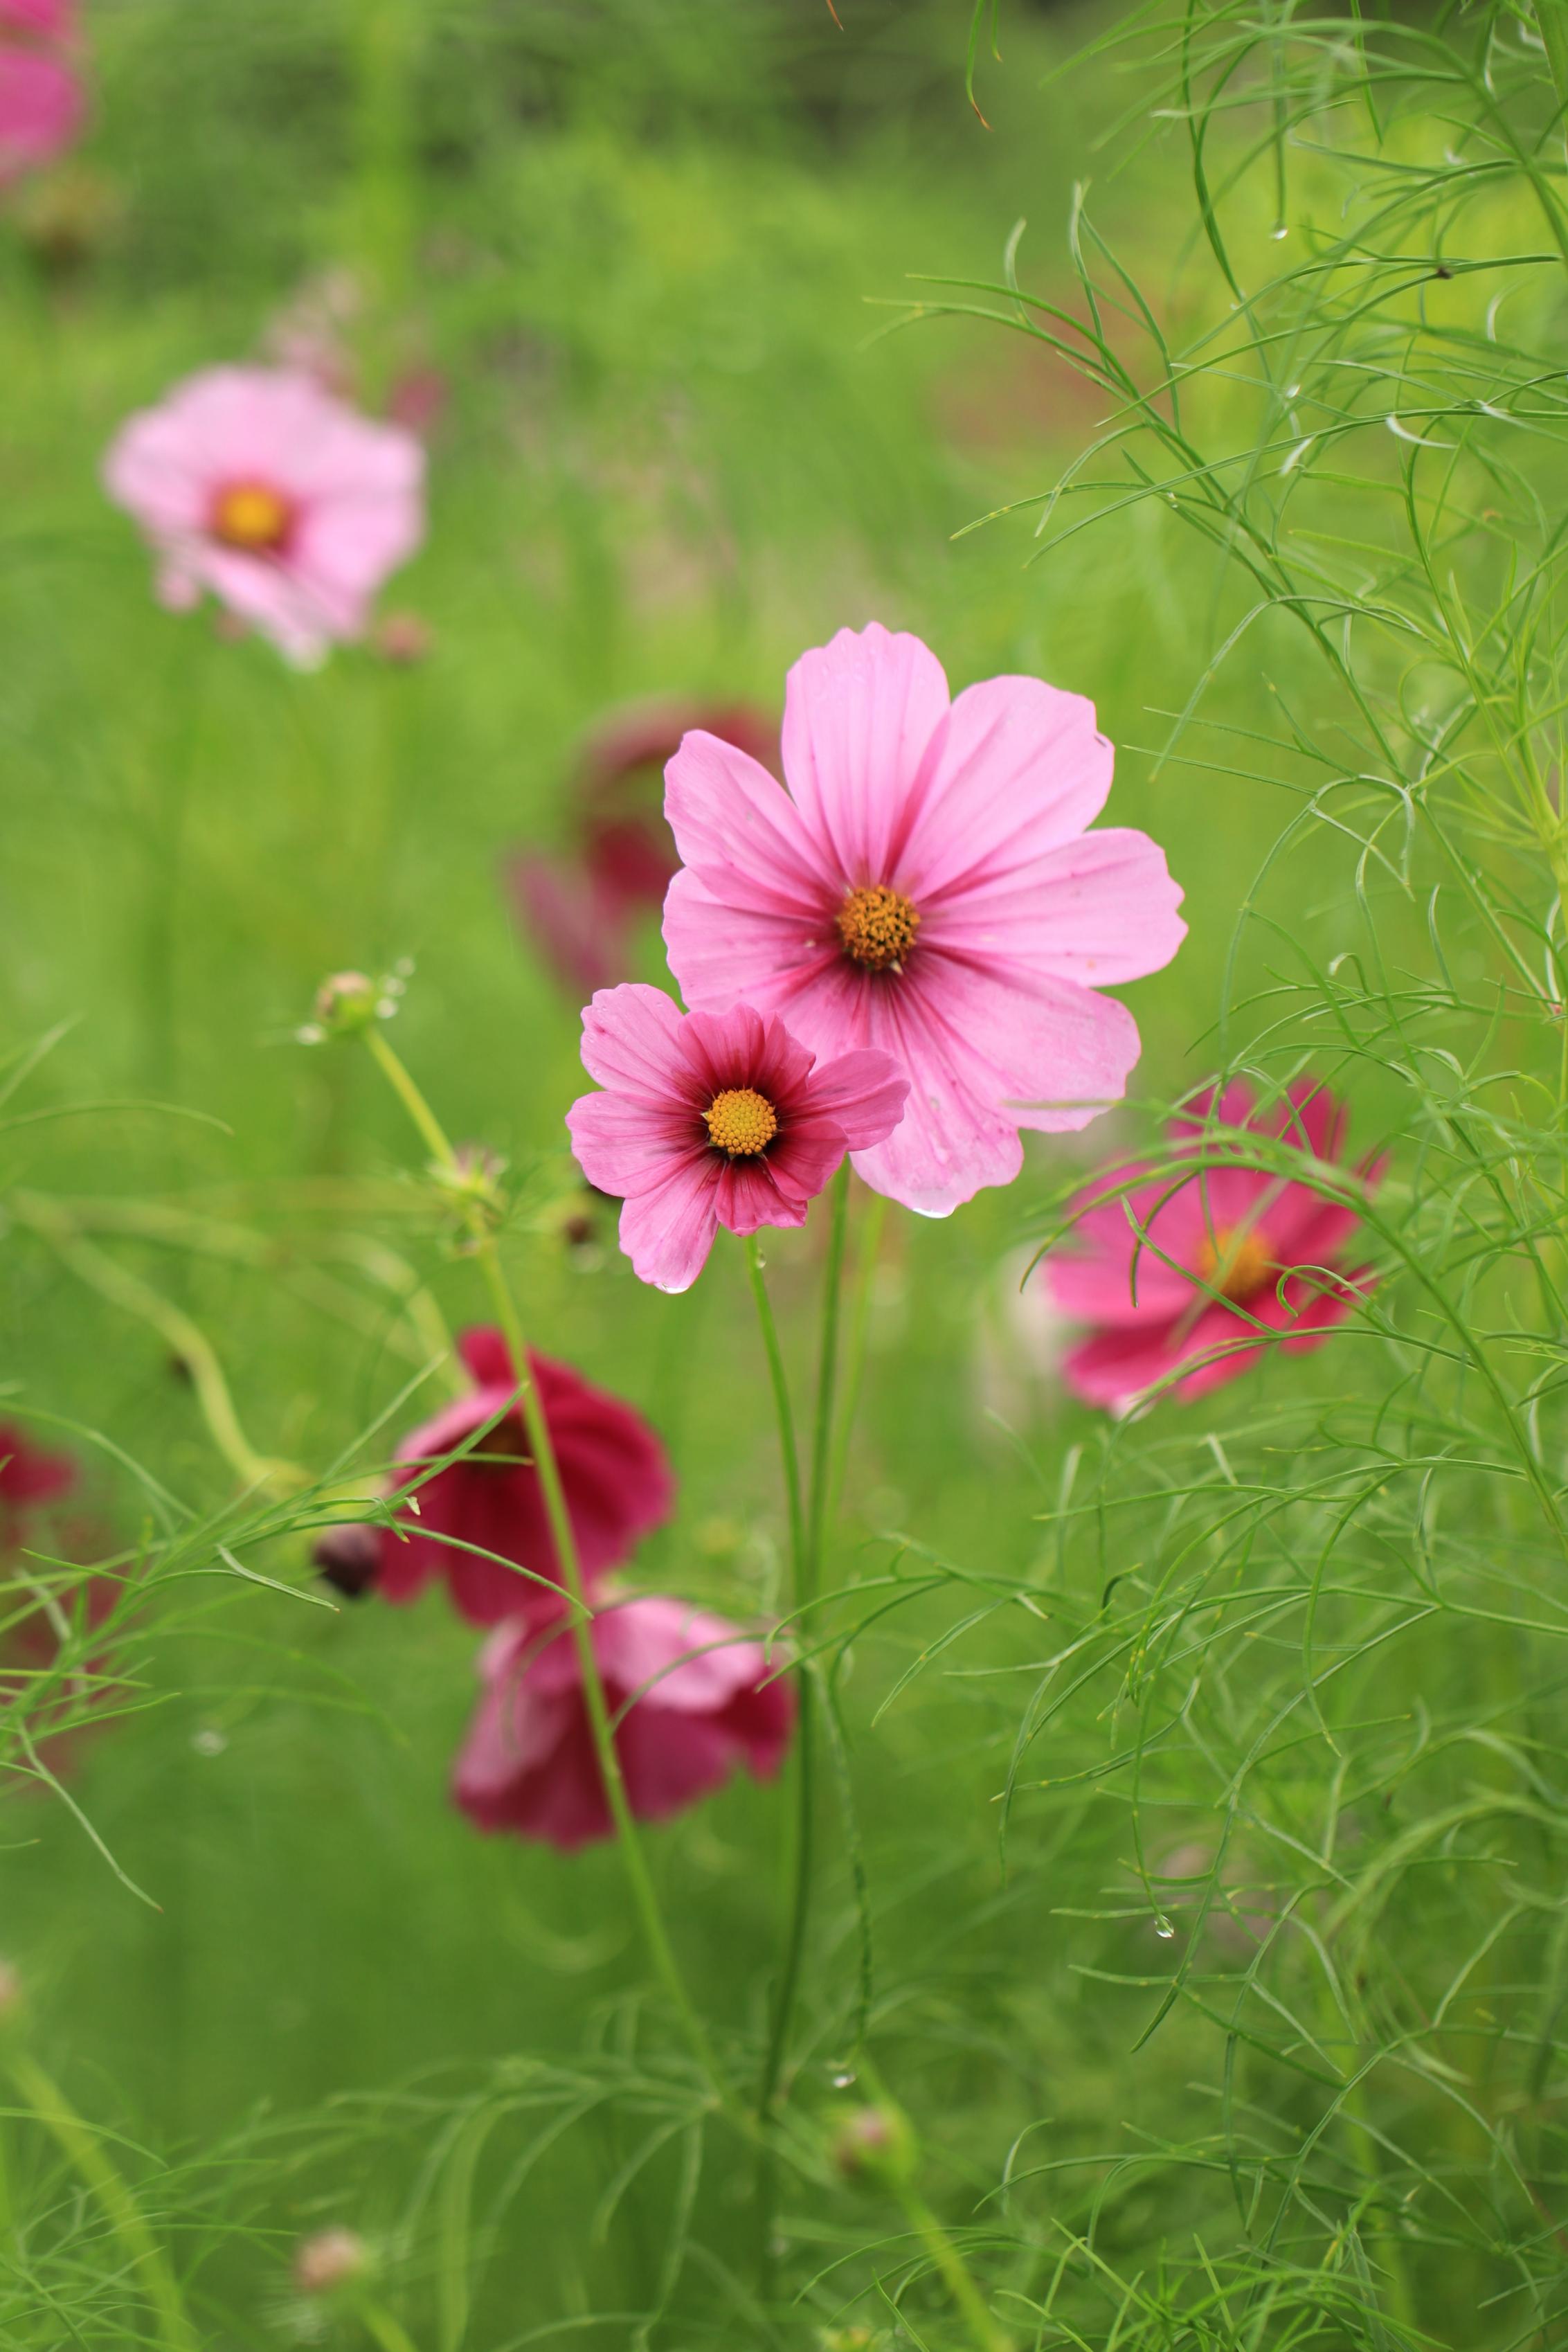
691,1696
48,20
617,1482
1145,1268
290,507
581,906
42,101
926,884
710,1120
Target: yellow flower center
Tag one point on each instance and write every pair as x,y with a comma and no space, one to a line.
251,516
741,1122
877,927
1238,1263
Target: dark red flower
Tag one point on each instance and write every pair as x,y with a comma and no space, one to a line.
487,1509
30,1477
581,906
694,1697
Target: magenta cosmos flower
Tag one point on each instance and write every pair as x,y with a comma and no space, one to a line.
42,101
1148,1264
290,507
582,906
925,884
692,1698
715,1119
486,1510
30,1477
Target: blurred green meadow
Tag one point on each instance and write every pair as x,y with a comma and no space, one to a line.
658,258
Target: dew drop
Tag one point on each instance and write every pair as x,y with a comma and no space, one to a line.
842,2080
1278,231
208,1742
1163,1930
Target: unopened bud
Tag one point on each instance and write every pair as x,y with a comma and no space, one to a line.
874,2143
349,1559
332,2259
403,639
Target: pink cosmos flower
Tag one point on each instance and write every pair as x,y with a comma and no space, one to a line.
925,885
582,907
258,485
710,1120
1272,1247
691,1696
617,1482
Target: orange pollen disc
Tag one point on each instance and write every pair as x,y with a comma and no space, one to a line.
877,927
741,1122
1238,1263
251,516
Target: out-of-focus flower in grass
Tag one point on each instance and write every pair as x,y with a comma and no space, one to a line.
43,103
692,1697
330,2261
69,215
926,884
404,639
582,907
1208,1270
348,1558
468,1519
291,508
715,1119
30,1476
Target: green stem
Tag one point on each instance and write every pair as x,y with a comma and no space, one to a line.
82,2147
1552,16
808,1583
388,2331
634,1859
872,1225
788,1448
984,2332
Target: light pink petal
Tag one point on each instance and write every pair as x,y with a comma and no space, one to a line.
736,826
668,1231
860,715
1022,769
684,1658
728,942
1098,910
267,596
632,1040
984,1059
626,1144
150,470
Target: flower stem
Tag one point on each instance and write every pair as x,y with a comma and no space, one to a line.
959,2280
788,1448
807,1581
634,1859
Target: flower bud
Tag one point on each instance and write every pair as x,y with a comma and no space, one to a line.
348,1558
874,2143
403,639
330,2261
346,1002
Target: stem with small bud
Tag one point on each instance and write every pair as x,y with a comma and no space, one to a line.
478,1228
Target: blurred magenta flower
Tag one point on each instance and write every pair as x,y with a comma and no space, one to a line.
30,1476
691,1696
617,1481
926,884
710,1120
43,103
1147,1264
582,907
289,506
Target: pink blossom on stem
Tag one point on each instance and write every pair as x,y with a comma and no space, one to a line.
710,1120
257,484
1211,1269
691,1697
42,108
478,1521
925,884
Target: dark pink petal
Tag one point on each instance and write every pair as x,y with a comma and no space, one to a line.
632,1040
668,1230
29,1474
42,106
863,1093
